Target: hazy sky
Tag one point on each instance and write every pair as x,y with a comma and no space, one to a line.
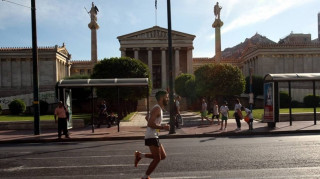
67,21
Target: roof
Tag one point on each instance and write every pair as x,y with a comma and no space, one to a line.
155,32
284,77
74,83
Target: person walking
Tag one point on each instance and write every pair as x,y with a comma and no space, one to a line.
62,113
178,118
238,114
224,110
204,111
151,137
215,111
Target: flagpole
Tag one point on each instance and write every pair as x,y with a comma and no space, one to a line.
155,11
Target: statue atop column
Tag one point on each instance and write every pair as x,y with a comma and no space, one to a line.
217,10
217,24
93,15
93,12
93,25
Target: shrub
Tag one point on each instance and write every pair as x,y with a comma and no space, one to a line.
0,109
284,99
44,106
17,106
309,101
296,104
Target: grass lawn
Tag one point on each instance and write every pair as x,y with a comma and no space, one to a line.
257,113
24,117
128,117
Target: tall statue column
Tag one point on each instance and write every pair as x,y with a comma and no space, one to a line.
94,27
217,25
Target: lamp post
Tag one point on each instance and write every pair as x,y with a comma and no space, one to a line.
172,120
35,69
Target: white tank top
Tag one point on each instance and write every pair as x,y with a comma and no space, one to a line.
153,133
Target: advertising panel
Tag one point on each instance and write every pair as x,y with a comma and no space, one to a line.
268,102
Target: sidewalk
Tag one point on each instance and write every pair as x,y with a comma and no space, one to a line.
135,129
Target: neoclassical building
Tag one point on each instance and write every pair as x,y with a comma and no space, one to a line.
16,71
151,47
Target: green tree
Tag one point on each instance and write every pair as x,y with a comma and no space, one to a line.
185,87
80,93
284,99
309,101
257,85
123,67
219,80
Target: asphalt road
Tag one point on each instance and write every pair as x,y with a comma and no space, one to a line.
204,158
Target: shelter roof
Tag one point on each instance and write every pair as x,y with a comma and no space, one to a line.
78,83
284,77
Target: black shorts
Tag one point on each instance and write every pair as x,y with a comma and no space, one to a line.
152,142
215,116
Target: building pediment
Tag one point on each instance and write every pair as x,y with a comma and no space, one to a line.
156,32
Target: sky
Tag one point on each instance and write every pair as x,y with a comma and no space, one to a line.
66,21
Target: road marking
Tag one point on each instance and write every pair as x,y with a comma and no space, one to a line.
102,156
13,169
184,177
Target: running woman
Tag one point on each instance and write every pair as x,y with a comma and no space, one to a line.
151,137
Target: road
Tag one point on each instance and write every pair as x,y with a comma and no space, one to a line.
204,158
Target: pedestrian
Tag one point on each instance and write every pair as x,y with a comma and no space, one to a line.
63,116
224,110
215,111
102,114
204,111
249,117
151,137
238,114
178,118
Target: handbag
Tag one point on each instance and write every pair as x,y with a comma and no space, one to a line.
247,119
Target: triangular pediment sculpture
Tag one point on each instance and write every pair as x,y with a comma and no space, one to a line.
155,32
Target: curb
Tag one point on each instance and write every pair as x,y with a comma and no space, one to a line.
168,136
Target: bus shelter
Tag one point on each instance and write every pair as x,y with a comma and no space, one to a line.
65,89
271,94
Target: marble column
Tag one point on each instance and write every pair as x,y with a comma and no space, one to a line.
189,60
177,61
150,61
123,52
163,68
136,53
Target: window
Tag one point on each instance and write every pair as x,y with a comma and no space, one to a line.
82,72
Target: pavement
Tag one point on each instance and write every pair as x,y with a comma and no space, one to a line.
136,127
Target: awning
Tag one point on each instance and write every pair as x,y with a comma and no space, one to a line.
78,83
283,77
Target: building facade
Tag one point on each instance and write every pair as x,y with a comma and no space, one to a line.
151,47
16,70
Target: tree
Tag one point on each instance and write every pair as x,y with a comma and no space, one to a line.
80,93
185,87
123,67
310,101
284,99
219,80
257,85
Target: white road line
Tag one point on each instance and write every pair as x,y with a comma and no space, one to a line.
184,177
80,157
65,167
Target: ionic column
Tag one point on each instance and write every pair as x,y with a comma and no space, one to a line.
163,68
136,53
189,60
177,61
123,52
150,61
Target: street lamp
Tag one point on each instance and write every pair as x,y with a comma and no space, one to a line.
35,69
172,119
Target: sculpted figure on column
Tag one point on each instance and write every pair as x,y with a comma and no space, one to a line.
217,10
93,12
